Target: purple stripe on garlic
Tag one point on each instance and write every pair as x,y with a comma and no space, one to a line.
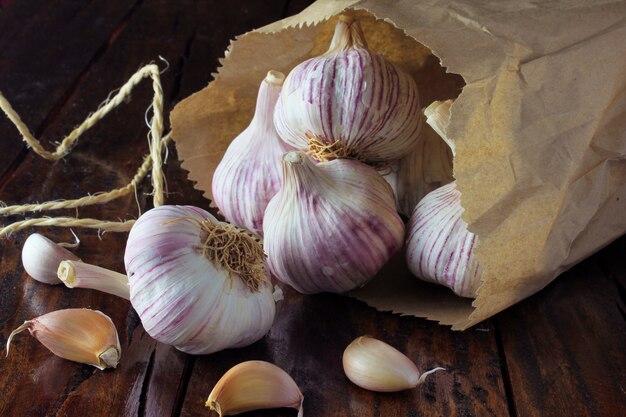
439,246
196,283
332,226
352,99
249,174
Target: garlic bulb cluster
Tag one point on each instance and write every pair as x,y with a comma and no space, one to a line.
332,226
249,174
439,247
349,103
254,385
196,283
376,366
77,334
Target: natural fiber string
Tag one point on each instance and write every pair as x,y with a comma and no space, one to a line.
105,225
156,144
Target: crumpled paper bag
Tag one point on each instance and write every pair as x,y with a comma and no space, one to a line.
539,126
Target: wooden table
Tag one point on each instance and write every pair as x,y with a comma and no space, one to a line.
559,353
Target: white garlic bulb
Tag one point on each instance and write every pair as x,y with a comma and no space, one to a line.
196,283
349,103
439,247
249,174
332,226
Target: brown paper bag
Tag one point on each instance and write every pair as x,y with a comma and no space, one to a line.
539,126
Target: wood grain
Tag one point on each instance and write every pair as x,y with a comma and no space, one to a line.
42,59
565,347
105,158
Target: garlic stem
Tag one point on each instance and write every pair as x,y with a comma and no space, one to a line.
348,34
83,275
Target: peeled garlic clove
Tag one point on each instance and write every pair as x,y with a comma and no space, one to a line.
349,103
249,174
332,226
254,385
41,258
77,334
83,275
377,366
439,247
198,284
438,117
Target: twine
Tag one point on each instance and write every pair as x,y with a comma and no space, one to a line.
153,160
105,225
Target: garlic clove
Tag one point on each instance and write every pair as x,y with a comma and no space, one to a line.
41,258
248,175
83,275
79,335
254,385
332,226
349,103
439,246
377,366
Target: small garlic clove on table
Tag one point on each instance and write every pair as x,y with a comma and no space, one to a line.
41,258
77,334
254,385
376,366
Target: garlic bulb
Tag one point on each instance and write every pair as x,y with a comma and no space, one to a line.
77,334
249,174
331,226
254,385
439,247
41,258
196,283
377,366
349,103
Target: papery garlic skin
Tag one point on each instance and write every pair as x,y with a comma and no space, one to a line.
182,298
77,334
254,385
41,258
249,174
332,226
376,366
439,247
352,96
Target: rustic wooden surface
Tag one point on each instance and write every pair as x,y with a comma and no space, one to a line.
559,353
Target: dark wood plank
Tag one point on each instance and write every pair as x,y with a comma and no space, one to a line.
308,339
565,347
41,58
33,381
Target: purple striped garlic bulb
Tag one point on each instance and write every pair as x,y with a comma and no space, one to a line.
439,247
249,174
332,226
196,283
349,103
